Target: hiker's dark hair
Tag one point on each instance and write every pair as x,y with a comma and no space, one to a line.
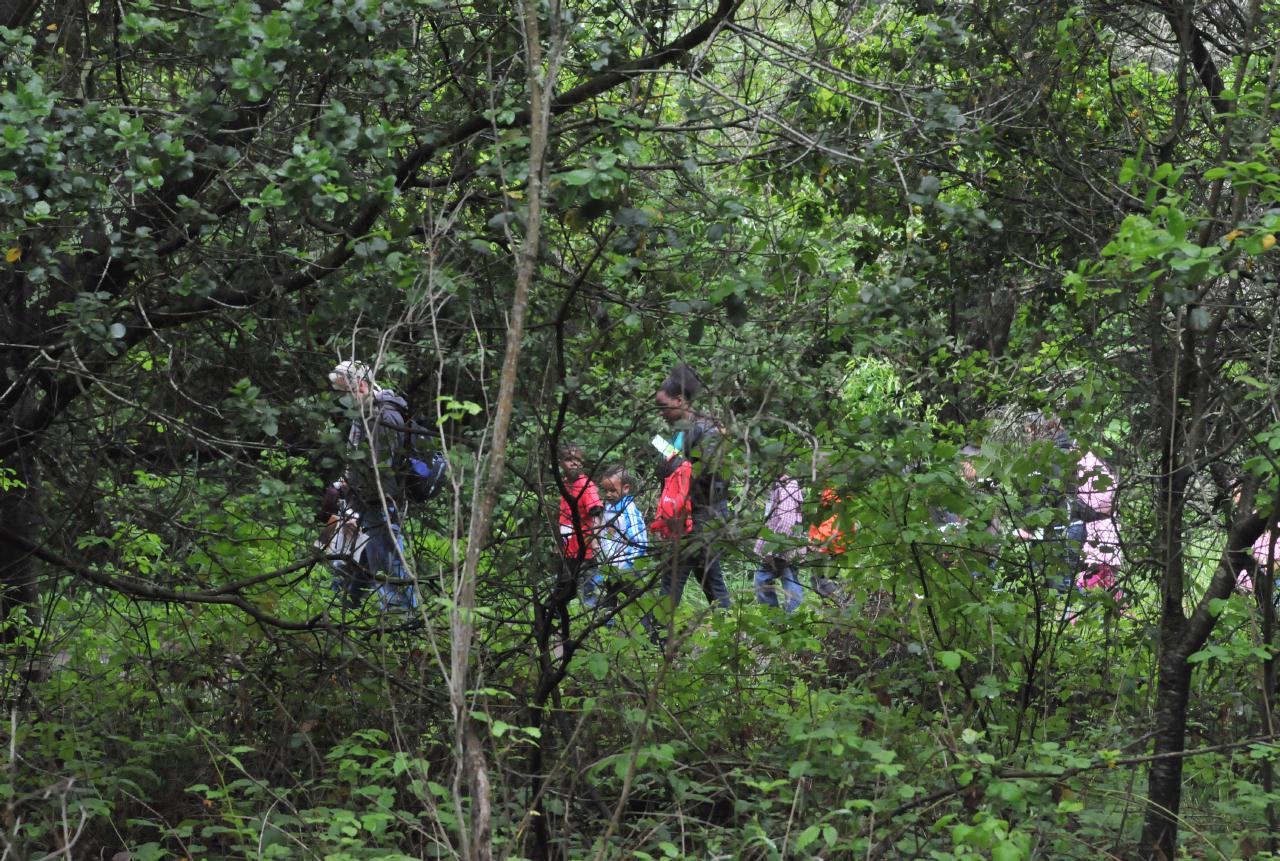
569,449
625,478
682,382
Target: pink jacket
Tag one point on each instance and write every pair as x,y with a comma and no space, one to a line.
1098,491
1263,554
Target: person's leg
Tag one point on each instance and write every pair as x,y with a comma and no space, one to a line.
671,588
1074,551
1062,556
612,582
626,587
382,556
822,584
590,585
351,583
789,582
712,580
674,575
766,590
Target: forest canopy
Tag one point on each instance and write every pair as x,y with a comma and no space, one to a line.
983,294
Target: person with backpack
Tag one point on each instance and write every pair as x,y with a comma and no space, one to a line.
694,501
371,486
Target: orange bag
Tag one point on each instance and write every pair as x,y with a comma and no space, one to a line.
674,514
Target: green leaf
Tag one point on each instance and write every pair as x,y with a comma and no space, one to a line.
950,660
598,666
1007,850
807,836
581,176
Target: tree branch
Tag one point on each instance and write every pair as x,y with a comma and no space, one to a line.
25,429
138,588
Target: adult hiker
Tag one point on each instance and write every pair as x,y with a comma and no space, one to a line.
781,546
964,546
370,487
827,540
688,527
1055,548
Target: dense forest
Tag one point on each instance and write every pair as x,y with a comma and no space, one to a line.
992,286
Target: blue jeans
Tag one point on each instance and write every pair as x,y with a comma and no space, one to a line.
774,574
382,562
590,585
1058,556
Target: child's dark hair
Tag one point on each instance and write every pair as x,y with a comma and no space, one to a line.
625,478
566,450
682,382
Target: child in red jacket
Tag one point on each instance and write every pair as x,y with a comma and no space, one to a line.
580,511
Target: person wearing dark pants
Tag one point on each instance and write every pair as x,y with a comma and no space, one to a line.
693,507
697,559
372,490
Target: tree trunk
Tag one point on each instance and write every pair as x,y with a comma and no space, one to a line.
1164,781
478,845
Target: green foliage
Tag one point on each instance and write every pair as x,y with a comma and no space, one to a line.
879,231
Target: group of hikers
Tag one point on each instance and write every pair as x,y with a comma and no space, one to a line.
603,533
601,540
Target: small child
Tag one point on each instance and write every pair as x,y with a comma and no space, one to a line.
580,510
827,538
624,537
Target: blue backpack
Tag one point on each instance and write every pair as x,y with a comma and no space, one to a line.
422,474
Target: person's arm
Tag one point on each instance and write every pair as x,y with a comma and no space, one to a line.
329,503
611,538
592,512
388,435
637,535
